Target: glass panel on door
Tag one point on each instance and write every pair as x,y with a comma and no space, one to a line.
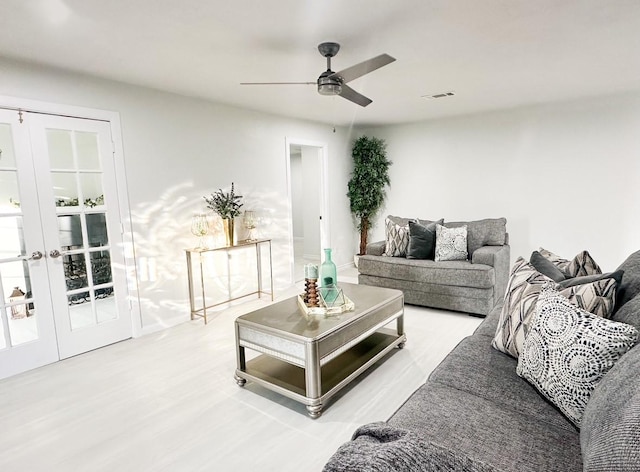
7,151
17,308
17,300
77,179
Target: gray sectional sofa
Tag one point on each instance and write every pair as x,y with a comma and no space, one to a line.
473,286
475,414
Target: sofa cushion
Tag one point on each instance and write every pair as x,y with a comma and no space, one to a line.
546,267
487,232
422,240
451,244
581,264
630,286
475,367
610,429
490,323
456,273
629,313
396,238
568,350
484,430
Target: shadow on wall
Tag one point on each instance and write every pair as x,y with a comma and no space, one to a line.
162,231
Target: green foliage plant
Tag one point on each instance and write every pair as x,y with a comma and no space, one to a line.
366,189
225,204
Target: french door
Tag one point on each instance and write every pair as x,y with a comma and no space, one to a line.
62,275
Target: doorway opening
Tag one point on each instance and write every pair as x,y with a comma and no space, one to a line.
306,164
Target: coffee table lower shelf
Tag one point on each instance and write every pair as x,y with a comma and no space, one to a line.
289,380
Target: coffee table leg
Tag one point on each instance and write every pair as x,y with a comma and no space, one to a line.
312,378
241,361
400,325
314,410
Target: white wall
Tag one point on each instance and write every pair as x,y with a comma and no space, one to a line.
178,149
566,175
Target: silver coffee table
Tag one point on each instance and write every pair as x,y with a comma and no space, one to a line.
310,358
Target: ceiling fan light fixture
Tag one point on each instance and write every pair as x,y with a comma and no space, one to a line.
329,89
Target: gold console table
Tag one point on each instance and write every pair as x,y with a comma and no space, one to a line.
195,257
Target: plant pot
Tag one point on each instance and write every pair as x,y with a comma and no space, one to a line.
228,225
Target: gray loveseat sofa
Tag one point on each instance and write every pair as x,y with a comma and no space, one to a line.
475,414
472,286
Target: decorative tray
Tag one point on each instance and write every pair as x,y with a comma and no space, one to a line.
348,305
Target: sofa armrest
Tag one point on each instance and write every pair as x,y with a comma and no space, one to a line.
376,249
498,257
487,255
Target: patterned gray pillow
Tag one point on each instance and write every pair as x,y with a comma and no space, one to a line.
567,351
597,297
582,264
396,238
523,288
451,243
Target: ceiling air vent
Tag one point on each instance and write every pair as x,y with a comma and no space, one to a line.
439,95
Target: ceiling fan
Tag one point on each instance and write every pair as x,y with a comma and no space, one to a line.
334,83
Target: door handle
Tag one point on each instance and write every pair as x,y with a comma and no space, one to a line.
35,256
55,253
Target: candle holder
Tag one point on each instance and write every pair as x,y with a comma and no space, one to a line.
200,228
250,224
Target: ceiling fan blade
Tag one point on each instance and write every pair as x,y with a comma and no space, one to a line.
355,97
353,72
277,83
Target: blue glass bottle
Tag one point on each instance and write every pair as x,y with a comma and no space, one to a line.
328,271
328,278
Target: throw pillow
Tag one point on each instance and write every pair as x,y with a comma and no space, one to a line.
546,267
523,287
582,264
587,279
568,350
596,297
396,238
451,243
422,240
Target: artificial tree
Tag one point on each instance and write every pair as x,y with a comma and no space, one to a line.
367,185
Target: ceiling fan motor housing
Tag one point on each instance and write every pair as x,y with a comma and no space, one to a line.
328,85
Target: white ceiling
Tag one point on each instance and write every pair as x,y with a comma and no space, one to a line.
493,53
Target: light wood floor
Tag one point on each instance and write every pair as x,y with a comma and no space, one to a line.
168,402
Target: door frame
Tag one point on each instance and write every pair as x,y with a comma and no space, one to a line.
113,117
325,234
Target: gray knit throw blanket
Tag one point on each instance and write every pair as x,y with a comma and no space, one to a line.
377,447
